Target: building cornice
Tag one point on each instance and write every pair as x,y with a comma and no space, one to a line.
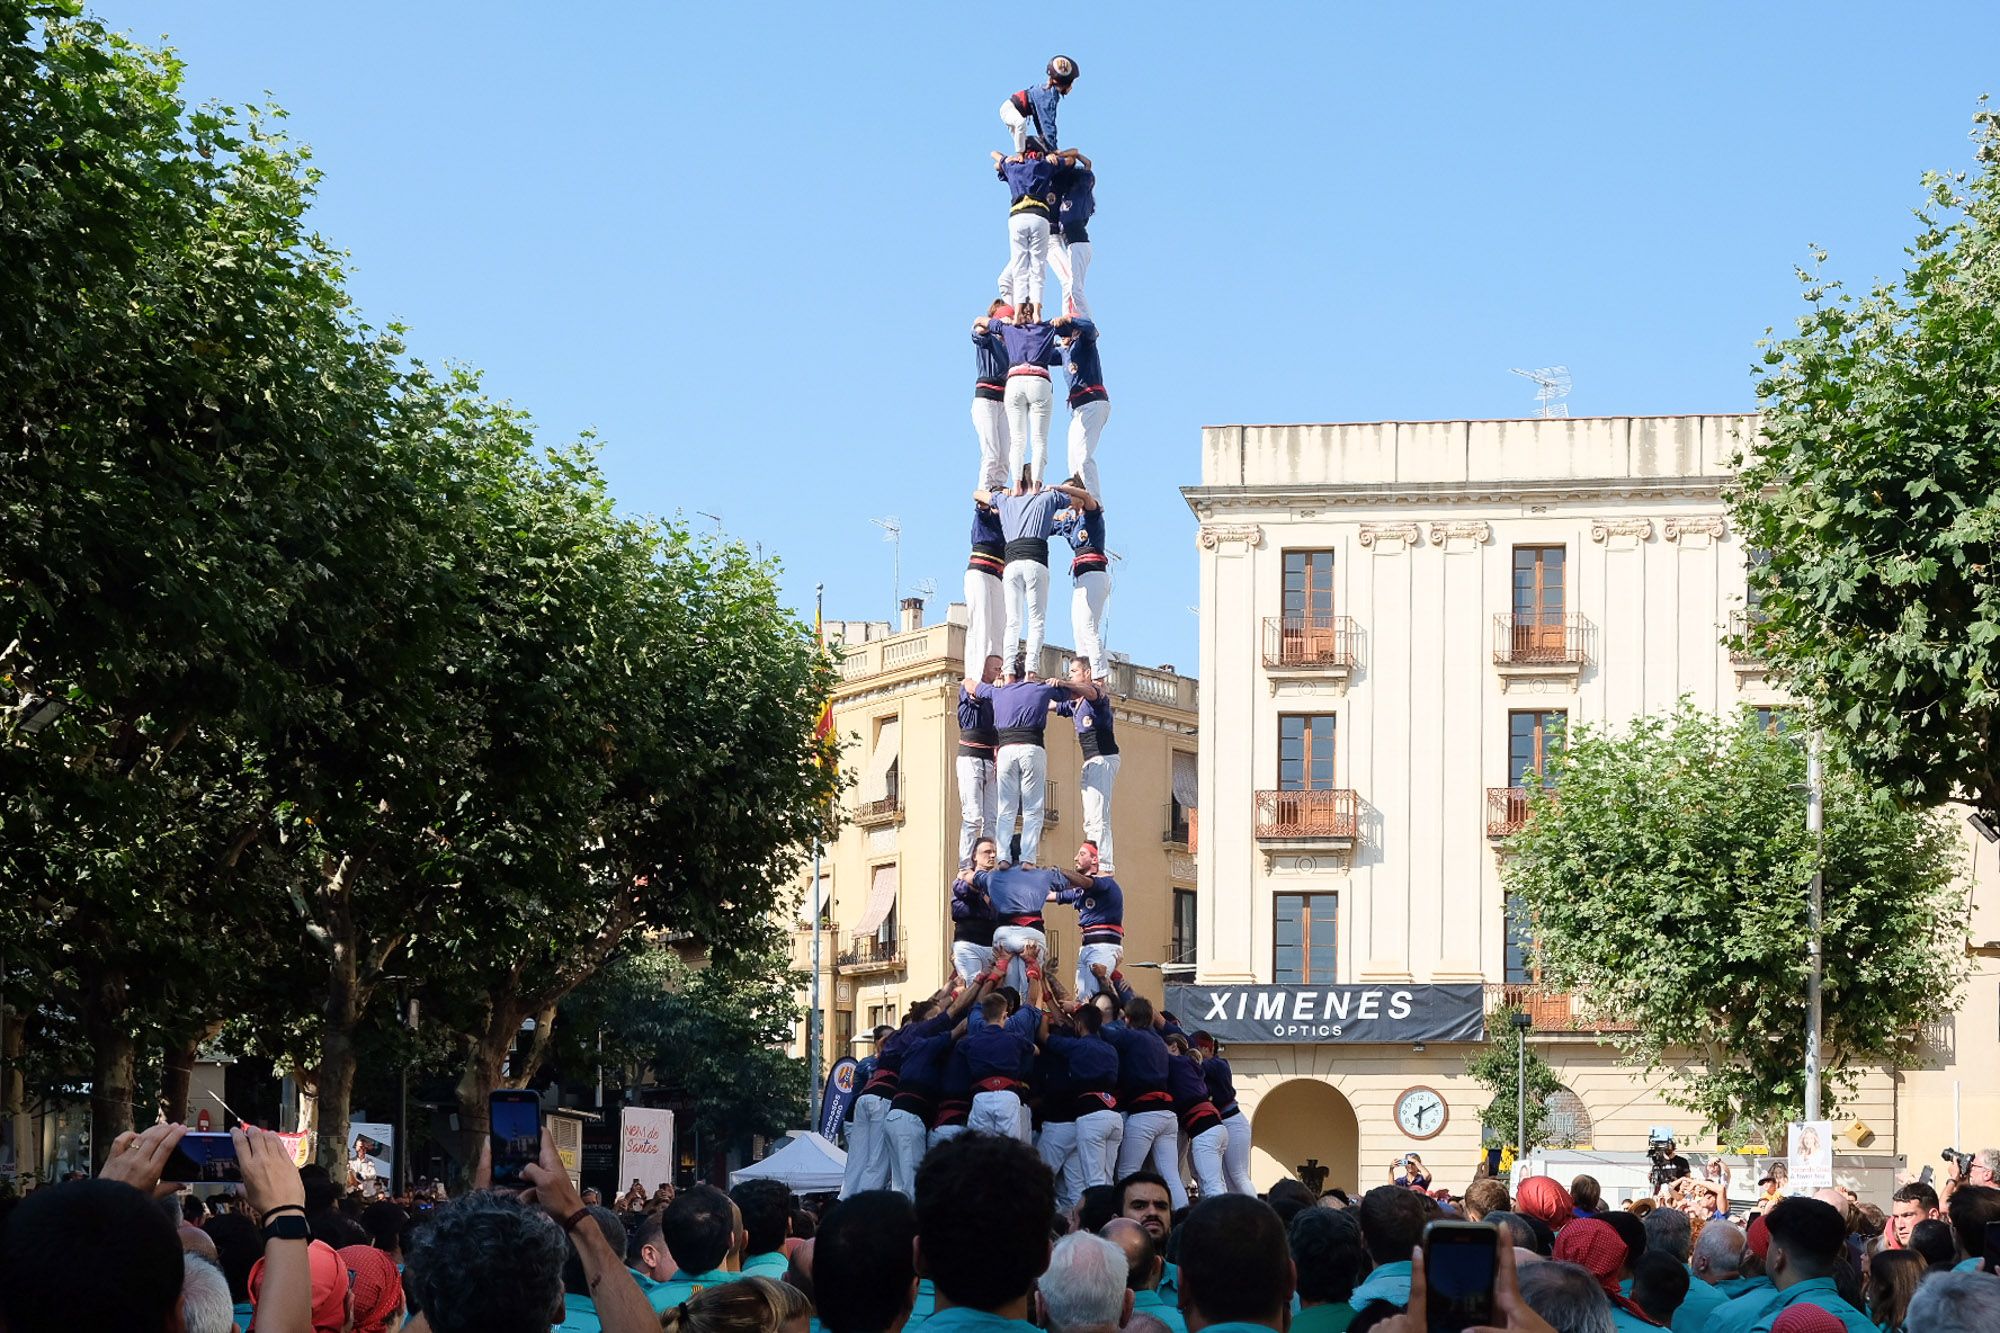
1208,501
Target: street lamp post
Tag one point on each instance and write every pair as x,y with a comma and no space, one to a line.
1815,912
1522,1022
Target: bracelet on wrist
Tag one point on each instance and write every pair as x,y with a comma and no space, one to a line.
570,1223
277,1208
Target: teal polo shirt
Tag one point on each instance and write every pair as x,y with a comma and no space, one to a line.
771,1264
1152,1303
579,1315
1389,1282
1741,1312
1240,1327
683,1286
961,1319
1170,1285
1818,1291
1702,1301
924,1306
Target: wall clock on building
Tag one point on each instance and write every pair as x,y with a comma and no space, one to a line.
1421,1113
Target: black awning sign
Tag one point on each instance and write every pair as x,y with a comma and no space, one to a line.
1353,1014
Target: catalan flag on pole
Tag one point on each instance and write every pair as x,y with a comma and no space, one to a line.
823,728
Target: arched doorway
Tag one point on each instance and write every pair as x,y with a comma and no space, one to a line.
1304,1118
1568,1125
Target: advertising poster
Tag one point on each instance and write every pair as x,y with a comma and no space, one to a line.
371,1157
1811,1152
839,1092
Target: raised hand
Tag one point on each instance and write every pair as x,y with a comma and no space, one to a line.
137,1159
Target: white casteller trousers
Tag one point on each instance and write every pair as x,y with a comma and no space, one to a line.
969,960
1027,596
1014,939
1023,773
1058,1148
1097,777
1088,956
1031,406
1090,617
867,1148
1016,123
1027,268
1154,1138
1205,1152
978,803
1070,263
1097,1138
1236,1156
945,1133
906,1135
989,422
997,1113
1086,424
985,620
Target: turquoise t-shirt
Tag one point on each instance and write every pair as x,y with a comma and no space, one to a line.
1152,1303
683,1286
579,1315
771,1264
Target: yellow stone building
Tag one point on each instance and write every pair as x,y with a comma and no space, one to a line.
885,927
1394,618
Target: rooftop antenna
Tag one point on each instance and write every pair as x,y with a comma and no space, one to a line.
892,531
925,588
1551,387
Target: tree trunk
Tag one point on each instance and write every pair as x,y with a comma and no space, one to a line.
485,1056
341,1013
114,1061
176,1079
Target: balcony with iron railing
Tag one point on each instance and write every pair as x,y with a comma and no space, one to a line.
1507,809
885,809
1542,639
1549,1010
872,953
1310,642
1330,817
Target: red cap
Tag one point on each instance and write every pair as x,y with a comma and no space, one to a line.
1759,1236
329,1287
1808,1318
1004,312
378,1287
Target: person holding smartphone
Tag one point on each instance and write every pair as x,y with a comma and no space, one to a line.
1407,1172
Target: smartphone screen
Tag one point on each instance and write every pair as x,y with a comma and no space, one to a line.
1459,1267
199,1156
516,1116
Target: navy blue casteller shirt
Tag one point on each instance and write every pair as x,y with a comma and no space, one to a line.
1031,348
1019,894
1100,909
1090,1070
1001,1050
978,736
1093,725
972,917
1076,186
1021,710
989,355
1054,1100
1040,103
1031,184
1083,529
1142,1066
1221,1084
1081,363
923,1072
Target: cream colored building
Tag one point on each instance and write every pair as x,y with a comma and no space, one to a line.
1393,617
886,929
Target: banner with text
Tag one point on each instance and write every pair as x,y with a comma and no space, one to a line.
646,1148
1391,1014
371,1157
839,1093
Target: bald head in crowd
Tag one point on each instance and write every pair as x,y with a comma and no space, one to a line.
1143,1263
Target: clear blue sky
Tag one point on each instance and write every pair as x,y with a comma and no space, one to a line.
743,241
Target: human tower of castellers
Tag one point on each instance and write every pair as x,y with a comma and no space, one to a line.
1093,1076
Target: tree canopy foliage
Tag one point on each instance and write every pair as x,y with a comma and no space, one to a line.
318,670
1874,501
1665,874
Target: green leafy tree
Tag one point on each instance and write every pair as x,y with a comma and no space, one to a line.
1497,1067
712,1035
1665,875
1875,498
